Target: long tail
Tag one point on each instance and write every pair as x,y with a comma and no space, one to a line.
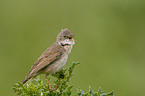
26,80
29,76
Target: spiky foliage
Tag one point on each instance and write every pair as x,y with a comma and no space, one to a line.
61,85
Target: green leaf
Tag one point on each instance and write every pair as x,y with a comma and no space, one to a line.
61,85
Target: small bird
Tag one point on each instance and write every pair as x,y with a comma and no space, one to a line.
54,58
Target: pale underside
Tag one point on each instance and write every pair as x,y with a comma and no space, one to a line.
59,64
53,65
54,58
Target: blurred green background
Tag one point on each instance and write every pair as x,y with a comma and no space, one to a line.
110,44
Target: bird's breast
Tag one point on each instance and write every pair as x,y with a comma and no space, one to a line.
68,48
57,65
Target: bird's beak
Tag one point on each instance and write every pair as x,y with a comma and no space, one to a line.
72,40
73,35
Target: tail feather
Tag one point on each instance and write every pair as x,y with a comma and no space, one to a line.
28,76
26,80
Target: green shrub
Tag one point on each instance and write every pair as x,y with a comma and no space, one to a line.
61,85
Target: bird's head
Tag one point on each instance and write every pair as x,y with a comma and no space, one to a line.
65,37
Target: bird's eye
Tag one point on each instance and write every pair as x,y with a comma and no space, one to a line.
70,38
64,36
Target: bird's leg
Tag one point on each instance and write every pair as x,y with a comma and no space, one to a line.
51,89
48,82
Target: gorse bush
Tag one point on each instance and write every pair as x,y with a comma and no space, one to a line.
62,88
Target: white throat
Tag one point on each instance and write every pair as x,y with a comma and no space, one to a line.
67,45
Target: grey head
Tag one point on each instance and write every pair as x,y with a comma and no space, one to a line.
64,34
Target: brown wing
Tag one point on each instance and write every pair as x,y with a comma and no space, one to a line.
51,54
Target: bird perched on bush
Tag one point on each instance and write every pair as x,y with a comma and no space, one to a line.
54,58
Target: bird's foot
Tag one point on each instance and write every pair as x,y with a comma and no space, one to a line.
52,89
